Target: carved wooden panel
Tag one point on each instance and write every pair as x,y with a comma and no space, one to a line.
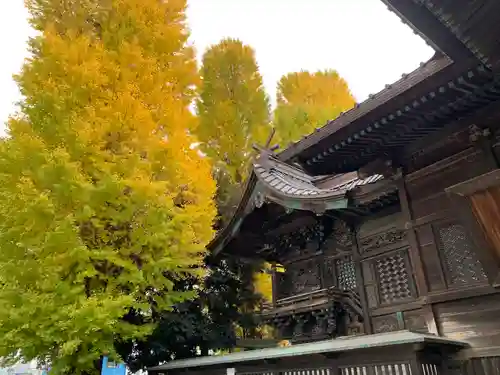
339,240
346,273
381,240
381,234
299,277
394,277
385,323
339,272
297,244
304,277
342,234
458,255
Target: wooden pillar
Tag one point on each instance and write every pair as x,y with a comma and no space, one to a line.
360,280
416,260
415,257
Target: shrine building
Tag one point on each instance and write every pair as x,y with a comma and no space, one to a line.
383,226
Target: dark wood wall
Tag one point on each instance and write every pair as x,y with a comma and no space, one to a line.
421,267
389,277
458,287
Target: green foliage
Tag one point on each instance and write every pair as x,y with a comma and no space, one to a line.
103,206
308,100
224,307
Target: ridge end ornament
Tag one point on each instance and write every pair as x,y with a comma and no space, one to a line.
267,149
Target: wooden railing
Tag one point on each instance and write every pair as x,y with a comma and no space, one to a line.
348,298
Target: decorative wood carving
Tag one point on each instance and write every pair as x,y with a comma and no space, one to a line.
340,272
328,321
300,242
462,266
342,233
382,239
355,327
317,315
346,273
386,323
299,277
394,277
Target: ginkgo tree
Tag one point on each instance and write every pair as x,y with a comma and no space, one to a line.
307,100
233,107
103,205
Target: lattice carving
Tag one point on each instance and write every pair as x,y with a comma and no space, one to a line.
382,239
394,279
346,273
459,256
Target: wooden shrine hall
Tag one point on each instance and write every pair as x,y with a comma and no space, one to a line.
385,222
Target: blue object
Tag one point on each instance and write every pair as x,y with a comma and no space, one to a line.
109,368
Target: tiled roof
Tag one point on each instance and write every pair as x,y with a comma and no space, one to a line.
407,82
292,182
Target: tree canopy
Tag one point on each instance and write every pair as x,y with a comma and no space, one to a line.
308,100
224,308
104,207
233,107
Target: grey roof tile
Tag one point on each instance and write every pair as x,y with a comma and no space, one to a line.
293,182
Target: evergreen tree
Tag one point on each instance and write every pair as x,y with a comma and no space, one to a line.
104,208
224,308
308,100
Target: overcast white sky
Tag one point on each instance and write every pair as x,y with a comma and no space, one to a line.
362,39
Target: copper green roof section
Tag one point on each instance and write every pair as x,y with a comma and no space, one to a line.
340,345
